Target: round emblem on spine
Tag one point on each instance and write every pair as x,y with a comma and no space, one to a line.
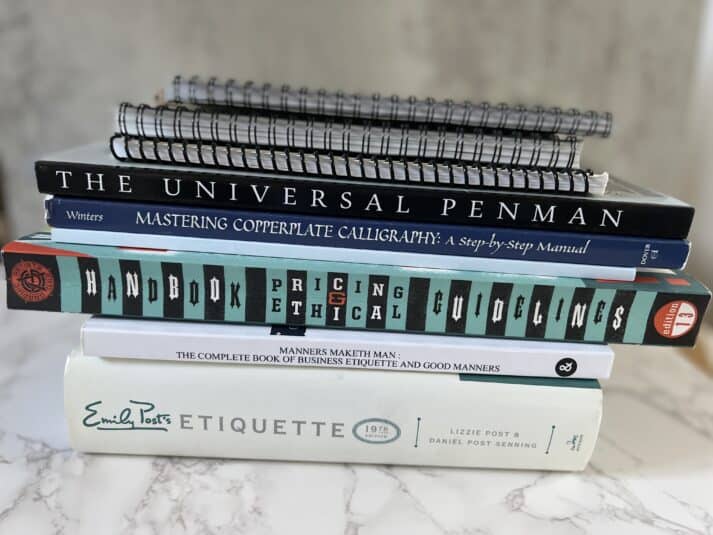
376,431
675,318
31,281
566,367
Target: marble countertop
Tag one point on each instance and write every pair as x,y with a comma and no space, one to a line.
652,470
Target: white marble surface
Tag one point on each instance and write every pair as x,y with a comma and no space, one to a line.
652,470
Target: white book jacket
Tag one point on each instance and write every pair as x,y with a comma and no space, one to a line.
212,343
131,406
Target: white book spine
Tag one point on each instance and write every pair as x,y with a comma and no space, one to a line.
361,416
247,344
338,254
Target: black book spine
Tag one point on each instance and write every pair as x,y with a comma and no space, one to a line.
424,204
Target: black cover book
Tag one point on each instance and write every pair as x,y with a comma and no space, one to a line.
360,167
625,209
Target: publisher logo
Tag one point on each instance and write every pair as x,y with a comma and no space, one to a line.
675,319
31,281
575,443
376,431
566,367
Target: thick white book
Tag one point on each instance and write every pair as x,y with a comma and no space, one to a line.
338,254
299,346
131,406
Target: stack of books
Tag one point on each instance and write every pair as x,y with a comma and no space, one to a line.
280,273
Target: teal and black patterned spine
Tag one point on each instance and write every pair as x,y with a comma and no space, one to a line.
663,309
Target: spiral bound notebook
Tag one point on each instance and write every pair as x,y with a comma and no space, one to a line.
355,167
367,138
248,95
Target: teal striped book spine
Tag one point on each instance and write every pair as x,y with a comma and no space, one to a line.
657,308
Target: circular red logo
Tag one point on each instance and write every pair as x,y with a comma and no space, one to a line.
32,281
676,318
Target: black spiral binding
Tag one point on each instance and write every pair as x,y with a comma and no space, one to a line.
136,149
422,141
374,107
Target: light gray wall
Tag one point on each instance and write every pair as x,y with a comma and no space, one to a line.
64,65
